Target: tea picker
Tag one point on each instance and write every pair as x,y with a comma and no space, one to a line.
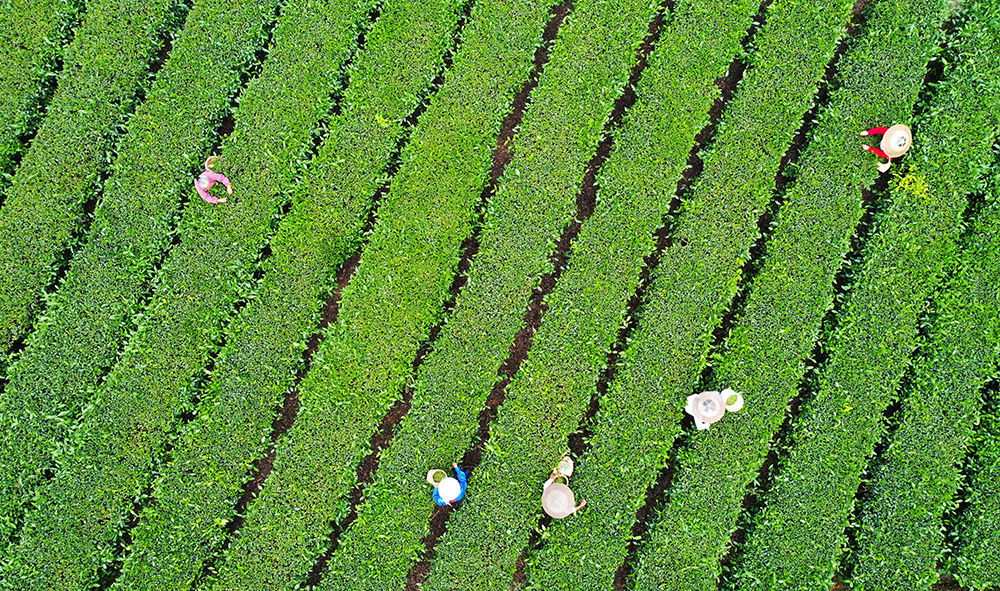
710,407
447,490
557,498
204,183
896,140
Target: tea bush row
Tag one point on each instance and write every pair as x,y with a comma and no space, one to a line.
641,413
396,295
104,70
109,460
765,355
548,396
835,434
88,318
917,476
32,35
535,201
263,347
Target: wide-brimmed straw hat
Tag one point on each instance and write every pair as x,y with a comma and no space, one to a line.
558,500
449,489
896,140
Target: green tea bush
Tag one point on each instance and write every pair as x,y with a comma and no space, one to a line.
900,533
105,68
535,200
88,318
764,356
547,398
640,413
196,493
396,295
834,436
32,34
109,459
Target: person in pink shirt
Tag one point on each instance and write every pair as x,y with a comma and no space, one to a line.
204,183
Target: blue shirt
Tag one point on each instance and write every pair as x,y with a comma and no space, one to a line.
460,476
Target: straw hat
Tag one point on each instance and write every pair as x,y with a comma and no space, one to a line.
896,140
707,407
449,489
558,500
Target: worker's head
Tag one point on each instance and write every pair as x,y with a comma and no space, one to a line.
449,489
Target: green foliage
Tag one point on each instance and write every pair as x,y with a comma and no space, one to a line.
640,414
86,320
535,200
31,39
900,533
974,558
105,68
764,354
393,300
547,398
108,460
264,344
836,432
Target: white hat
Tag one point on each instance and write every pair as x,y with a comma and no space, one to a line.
558,500
449,489
896,140
706,408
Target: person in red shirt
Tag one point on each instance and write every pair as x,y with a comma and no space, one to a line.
896,140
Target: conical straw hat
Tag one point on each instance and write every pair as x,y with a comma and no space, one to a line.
558,500
707,407
449,489
896,140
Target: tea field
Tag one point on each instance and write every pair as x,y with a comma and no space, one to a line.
496,233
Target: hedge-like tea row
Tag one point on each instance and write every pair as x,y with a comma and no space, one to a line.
395,296
764,355
973,559
835,435
108,460
548,396
31,38
86,320
105,68
640,414
535,200
196,493
921,470
918,474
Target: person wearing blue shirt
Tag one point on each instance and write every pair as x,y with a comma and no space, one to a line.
449,490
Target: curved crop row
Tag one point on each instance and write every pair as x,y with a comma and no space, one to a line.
197,491
535,200
973,558
31,38
395,297
917,476
835,435
109,459
105,69
88,318
764,355
548,396
639,416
